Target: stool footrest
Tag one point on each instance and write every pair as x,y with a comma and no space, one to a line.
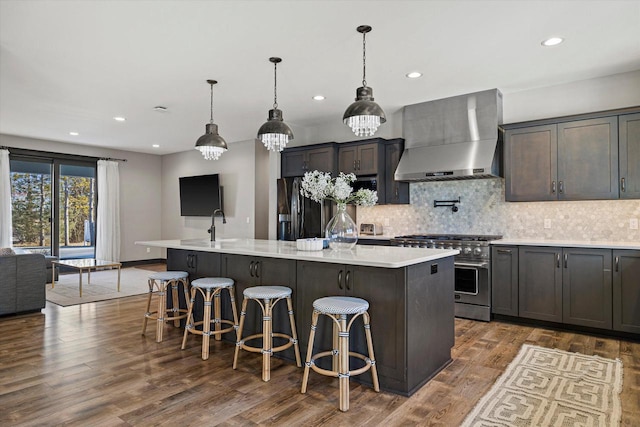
192,328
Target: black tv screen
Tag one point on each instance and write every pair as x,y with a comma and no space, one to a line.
199,195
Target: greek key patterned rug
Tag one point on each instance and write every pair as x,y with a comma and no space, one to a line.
548,387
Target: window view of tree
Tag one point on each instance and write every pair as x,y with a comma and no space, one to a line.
76,210
31,204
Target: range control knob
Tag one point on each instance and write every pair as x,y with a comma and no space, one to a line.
466,250
477,251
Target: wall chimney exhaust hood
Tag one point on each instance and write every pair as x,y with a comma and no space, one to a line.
453,138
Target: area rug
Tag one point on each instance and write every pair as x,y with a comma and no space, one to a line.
103,286
549,387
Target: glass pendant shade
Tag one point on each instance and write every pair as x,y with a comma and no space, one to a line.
275,133
364,116
211,145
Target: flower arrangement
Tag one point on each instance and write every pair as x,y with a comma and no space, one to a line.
319,186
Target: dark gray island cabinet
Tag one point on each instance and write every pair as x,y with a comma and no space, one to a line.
409,290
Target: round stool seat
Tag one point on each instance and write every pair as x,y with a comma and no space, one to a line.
267,292
341,305
212,282
169,275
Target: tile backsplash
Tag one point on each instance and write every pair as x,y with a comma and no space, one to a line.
483,210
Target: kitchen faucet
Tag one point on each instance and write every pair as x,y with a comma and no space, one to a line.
212,230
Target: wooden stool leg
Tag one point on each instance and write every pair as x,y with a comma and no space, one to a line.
217,316
176,303
294,334
206,325
189,323
234,310
147,313
343,372
267,340
307,364
335,362
162,308
367,332
239,341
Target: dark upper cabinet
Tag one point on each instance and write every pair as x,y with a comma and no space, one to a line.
396,192
588,159
531,163
504,280
629,156
296,161
540,283
361,158
626,291
586,287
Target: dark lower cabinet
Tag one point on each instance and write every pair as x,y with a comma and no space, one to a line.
197,264
626,291
586,287
504,280
248,271
540,283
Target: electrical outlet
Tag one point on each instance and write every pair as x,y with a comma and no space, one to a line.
633,223
547,223
248,220
148,250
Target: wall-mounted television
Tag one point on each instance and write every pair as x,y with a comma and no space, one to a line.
200,195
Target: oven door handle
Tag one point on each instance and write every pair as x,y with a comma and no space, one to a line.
471,264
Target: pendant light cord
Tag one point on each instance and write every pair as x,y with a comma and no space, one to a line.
275,85
364,60
211,119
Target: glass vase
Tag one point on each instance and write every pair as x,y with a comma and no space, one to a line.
341,230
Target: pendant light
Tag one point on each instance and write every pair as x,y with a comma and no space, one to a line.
364,116
211,145
275,133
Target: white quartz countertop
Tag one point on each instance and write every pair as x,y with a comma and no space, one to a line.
602,244
370,256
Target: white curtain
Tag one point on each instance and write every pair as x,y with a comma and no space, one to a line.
108,217
5,200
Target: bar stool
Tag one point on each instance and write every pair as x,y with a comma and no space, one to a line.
267,297
210,288
162,281
337,309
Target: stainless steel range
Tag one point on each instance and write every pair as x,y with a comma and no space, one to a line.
472,269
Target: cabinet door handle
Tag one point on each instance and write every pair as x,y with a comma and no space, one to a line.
560,187
346,280
358,164
623,187
558,260
255,268
504,251
553,187
397,195
340,280
251,269
617,263
566,260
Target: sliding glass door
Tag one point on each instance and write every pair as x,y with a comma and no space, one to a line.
54,206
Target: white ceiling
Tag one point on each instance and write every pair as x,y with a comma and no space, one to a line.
74,65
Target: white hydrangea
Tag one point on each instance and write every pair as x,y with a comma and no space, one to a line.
319,186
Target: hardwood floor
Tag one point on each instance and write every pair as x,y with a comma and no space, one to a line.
89,365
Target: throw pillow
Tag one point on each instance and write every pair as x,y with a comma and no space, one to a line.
6,251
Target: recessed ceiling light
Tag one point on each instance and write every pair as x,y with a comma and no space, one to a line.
552,41
155,146
414,75
119,119
74,133
319,98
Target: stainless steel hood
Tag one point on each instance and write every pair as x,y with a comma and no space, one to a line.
453,138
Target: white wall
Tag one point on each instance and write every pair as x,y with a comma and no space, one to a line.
140,190
237,176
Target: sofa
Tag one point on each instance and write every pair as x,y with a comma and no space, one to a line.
22,283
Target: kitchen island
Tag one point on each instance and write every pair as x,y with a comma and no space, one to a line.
410,292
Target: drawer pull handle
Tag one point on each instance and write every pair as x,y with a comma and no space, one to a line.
504,251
